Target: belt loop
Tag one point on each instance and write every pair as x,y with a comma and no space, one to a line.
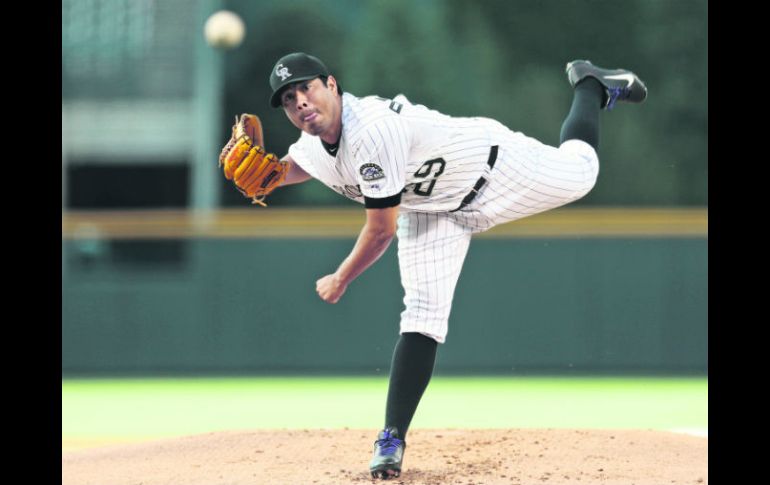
492,156
481,181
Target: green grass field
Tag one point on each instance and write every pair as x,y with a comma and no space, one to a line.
105,411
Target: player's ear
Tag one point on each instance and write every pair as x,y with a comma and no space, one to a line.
332,83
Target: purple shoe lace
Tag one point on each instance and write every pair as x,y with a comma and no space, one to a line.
389,443
616,93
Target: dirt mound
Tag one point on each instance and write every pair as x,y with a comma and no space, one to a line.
433,457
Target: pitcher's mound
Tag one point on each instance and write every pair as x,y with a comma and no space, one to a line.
433,456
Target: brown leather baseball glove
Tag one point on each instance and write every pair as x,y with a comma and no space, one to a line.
254,172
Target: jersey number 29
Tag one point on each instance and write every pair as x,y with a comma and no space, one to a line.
424,171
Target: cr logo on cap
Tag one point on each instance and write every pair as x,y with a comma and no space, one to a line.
282,71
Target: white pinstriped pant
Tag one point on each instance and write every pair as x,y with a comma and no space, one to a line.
528,178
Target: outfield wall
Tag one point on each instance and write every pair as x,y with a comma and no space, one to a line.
568,292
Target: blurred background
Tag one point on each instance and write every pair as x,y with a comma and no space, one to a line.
168,270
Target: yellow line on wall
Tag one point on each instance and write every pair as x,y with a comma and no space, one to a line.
343,223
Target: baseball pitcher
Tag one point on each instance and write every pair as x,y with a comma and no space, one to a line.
428,179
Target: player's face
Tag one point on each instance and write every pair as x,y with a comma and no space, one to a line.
314,108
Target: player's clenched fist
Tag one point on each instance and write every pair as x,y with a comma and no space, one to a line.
330,288
245,162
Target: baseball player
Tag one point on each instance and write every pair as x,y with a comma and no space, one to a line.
432,181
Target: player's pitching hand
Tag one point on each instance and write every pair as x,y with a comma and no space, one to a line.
330,288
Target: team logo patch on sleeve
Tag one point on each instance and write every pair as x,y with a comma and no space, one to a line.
371,171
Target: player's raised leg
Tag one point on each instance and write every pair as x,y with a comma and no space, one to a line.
596,88
619,84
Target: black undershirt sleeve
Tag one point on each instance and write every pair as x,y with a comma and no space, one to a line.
384,203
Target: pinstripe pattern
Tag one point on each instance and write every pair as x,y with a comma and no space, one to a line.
431,251
534,182
400,144
528,178
435,160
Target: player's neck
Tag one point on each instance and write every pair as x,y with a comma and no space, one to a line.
332,135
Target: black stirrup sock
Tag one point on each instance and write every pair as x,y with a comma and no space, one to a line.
410,372
582,122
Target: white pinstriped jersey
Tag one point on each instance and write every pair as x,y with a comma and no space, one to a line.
391,146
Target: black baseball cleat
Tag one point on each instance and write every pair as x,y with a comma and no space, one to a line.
619,84
388,454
